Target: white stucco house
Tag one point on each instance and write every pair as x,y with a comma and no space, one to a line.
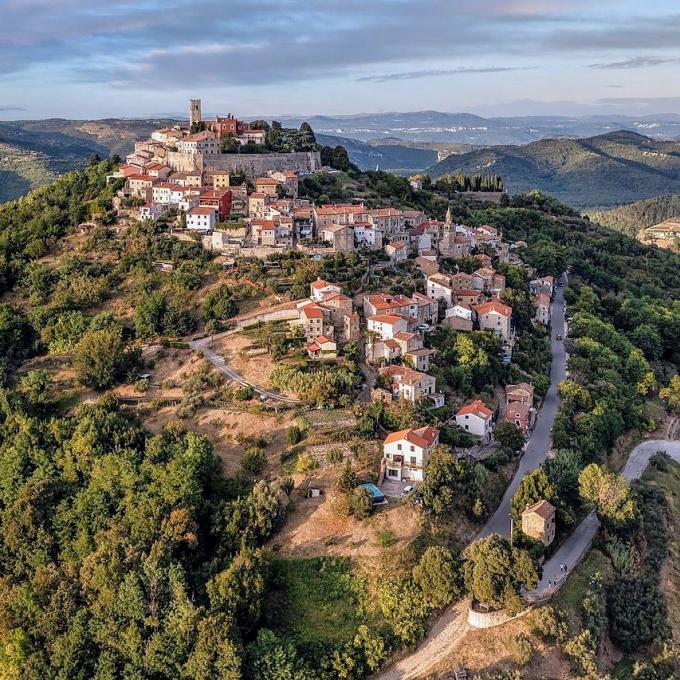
475,417
405,453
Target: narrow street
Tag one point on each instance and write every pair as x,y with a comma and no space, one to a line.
538,446
578,543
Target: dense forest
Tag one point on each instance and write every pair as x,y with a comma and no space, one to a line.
630,219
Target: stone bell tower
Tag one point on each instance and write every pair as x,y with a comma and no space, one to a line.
194,111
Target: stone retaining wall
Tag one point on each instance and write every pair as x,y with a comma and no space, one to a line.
250,164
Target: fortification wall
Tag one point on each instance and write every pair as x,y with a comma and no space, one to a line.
183,162
257,165
250,164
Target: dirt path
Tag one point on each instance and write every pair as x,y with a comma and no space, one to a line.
449,630
283,311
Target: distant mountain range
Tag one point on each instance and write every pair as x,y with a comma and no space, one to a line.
35,152
601,171
467,128
392,155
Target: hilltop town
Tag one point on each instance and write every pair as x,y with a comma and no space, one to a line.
456,270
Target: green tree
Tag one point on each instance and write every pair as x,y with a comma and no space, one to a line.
219,304
64,334
535,486
444,476
609,494
348,479
361,503
38,386
274,658
509,436
439,577
100,357
228,144
253,461
671,394
494,572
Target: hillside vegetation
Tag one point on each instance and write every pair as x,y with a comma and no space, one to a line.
389,156
127,551
35,152
603,171
630,219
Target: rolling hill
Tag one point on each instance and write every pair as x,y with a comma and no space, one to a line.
392,156
633,217
34,153
596,172
467,128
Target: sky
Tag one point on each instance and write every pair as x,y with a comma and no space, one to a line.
140,58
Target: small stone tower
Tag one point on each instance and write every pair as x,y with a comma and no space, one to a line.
194,111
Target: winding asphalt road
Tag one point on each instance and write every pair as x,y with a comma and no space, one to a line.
578,543
538,446
452,625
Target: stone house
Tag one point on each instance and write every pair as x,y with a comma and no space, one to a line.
538,522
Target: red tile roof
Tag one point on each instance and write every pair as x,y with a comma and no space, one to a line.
476,407
386,318
201,211
493,306
422,437
542,508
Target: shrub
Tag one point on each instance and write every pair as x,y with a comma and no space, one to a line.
386,539
520,650
253,461
549,623
348,479
294,435
244,393
334,456
142,385
361,503
581,650
637,613
306,463
286,484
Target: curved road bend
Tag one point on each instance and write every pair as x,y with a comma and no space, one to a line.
578,543
453,625
202,345
538,446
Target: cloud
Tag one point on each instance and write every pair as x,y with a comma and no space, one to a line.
628,33
153,44
636,62
414,75
158,45
7,109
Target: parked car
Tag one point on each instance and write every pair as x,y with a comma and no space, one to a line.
558,337
407,490
423,327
